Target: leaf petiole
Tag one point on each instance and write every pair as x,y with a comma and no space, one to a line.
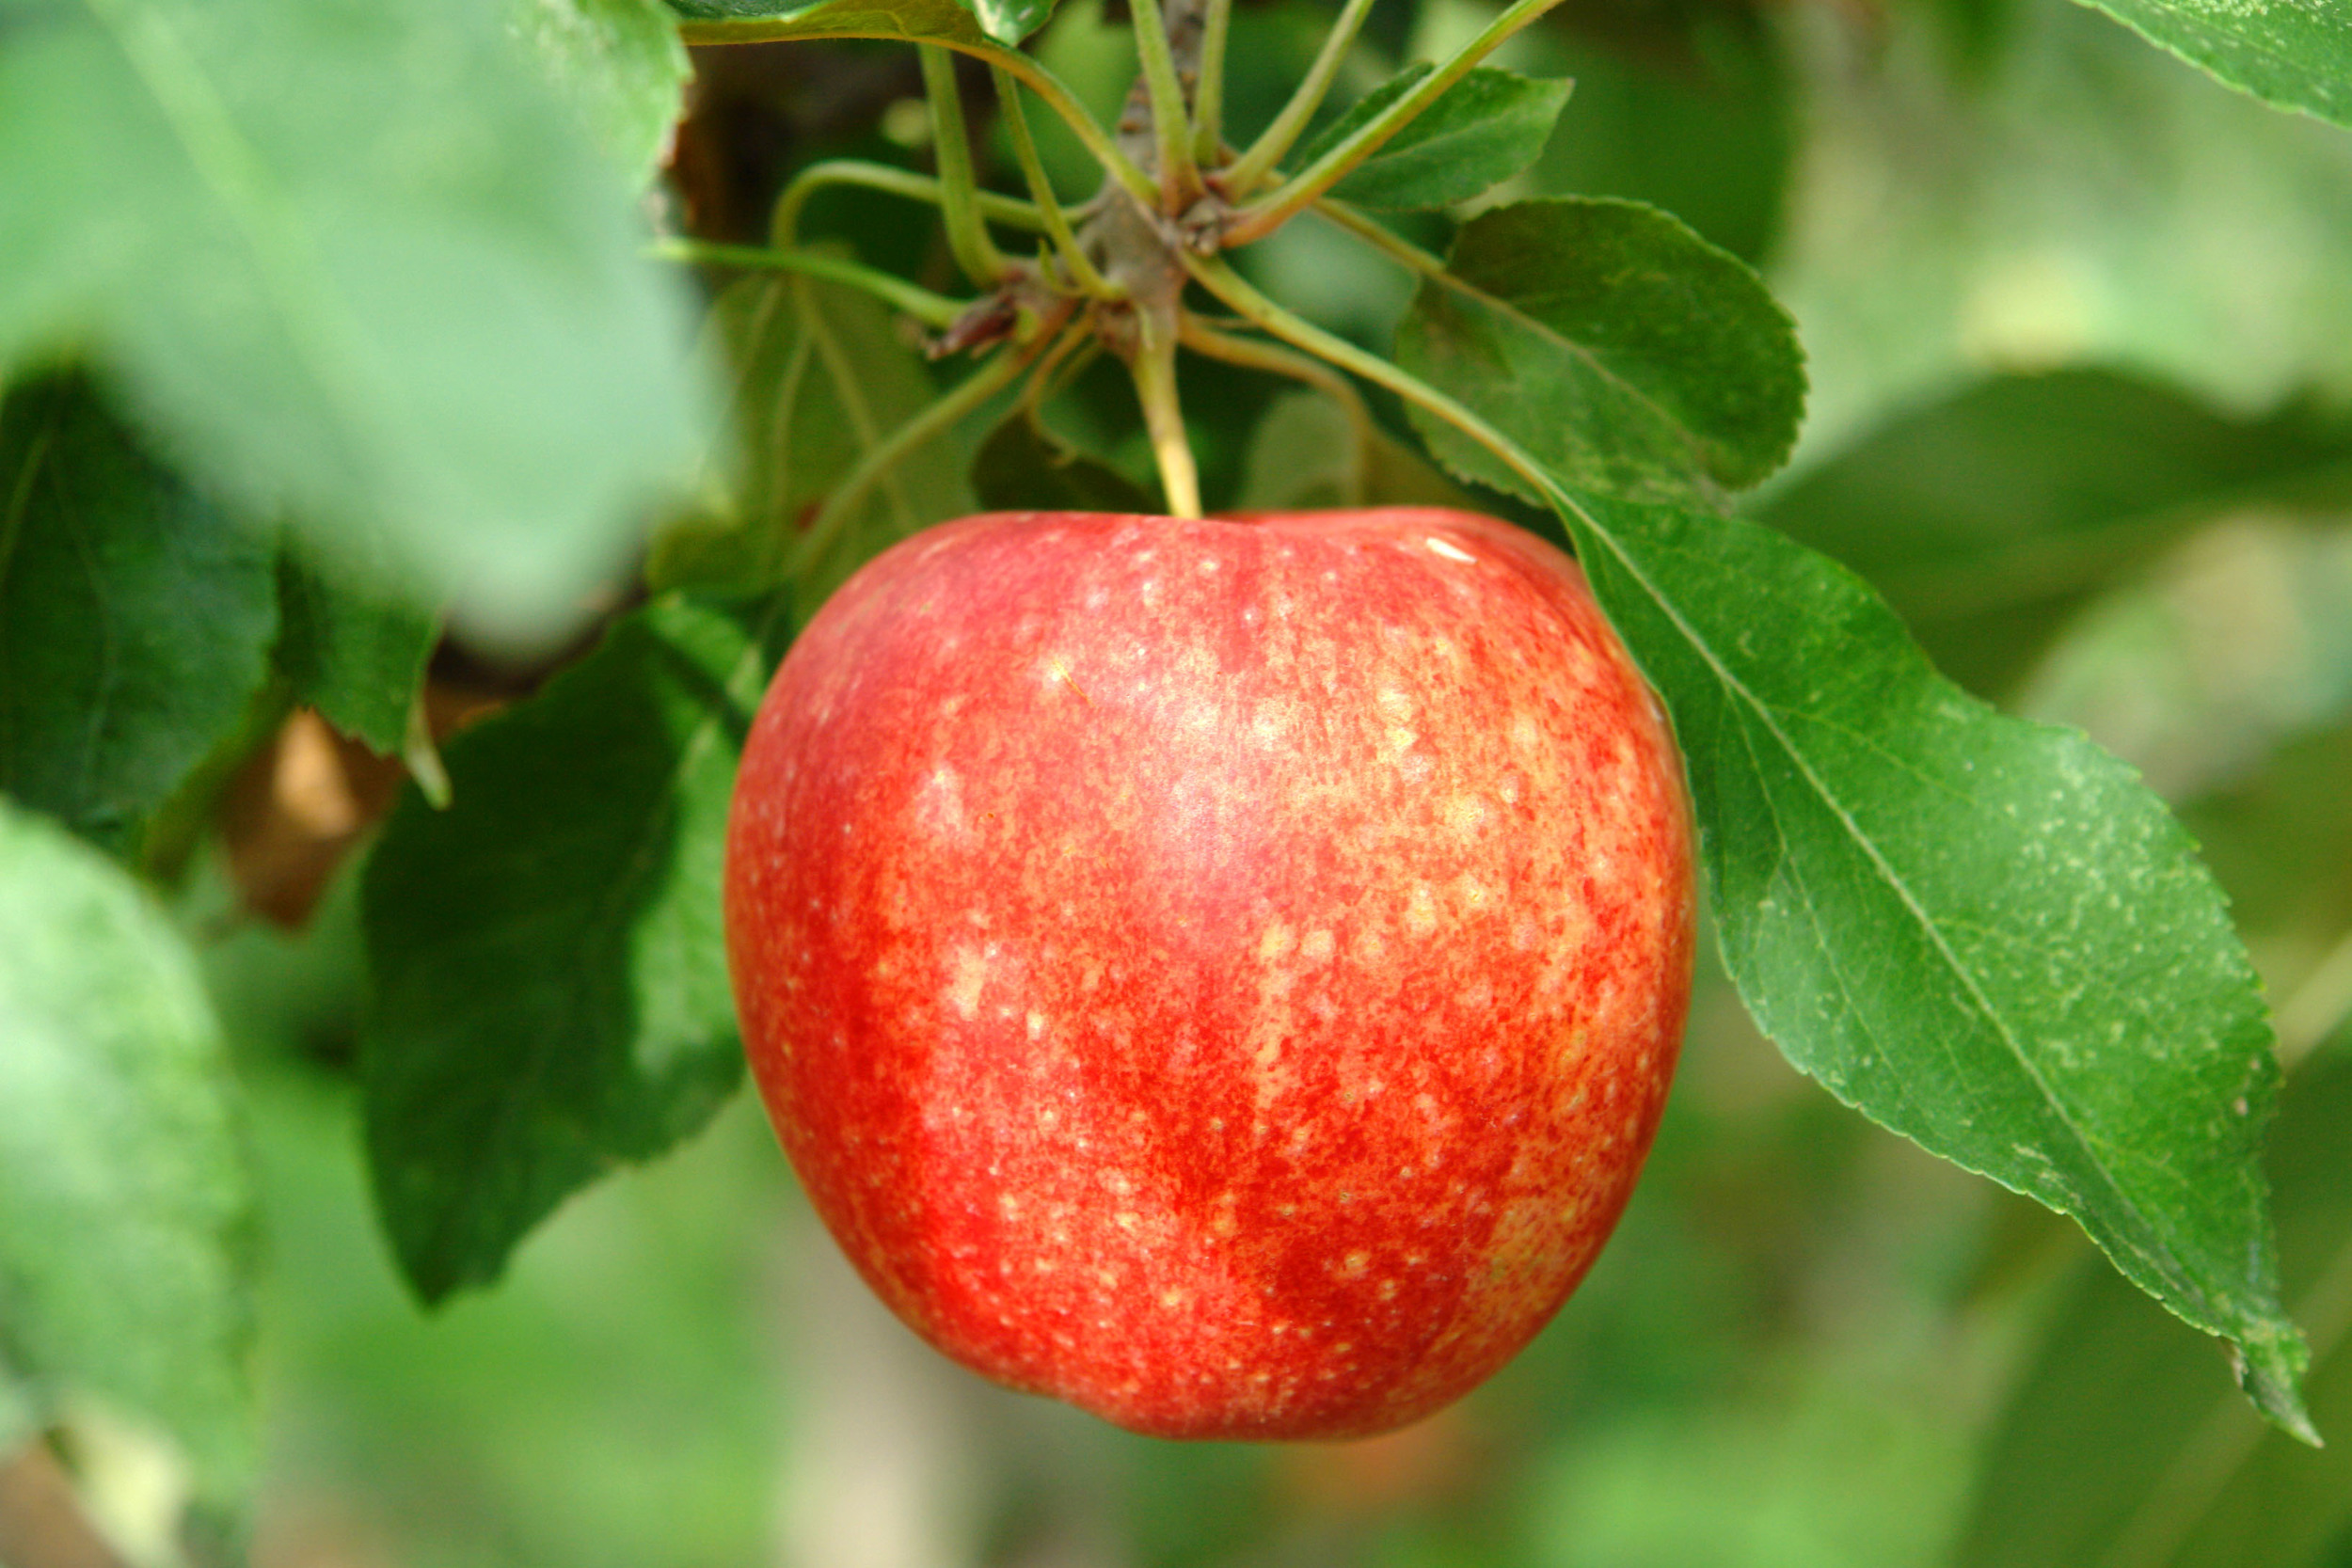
1028,68
421,756
1221,279
1171,123
1276,139
959,190
1048,207
848,393
1268,213
1202,339
932,310
995,373
783,228
1046,379
1397,249
1208,93
1059,98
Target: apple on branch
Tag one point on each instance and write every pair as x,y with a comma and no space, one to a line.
1224,973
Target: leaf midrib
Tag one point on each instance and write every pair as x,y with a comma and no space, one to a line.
1433,142
1765,716
1689,437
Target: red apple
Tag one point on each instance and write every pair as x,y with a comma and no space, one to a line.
1222,974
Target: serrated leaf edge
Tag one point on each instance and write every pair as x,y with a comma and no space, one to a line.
1786,328
449,1225
2286,1354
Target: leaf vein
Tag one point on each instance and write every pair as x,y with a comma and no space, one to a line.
1690,438
1980,1002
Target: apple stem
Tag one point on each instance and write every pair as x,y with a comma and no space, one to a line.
1263,216
1154,368
1199,336
959,188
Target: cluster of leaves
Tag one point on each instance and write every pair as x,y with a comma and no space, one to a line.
317,344
318,323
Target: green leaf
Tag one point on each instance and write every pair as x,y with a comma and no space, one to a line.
2121,1443
2293,57
1989,519
1005,21
1984,934
1483,129
360,268
126,1262
913,21
550,993
135,617
821,374
356,656
621,64
1304,457
1643,359
1010,20
1024,466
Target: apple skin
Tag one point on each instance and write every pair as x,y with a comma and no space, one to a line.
1222,974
